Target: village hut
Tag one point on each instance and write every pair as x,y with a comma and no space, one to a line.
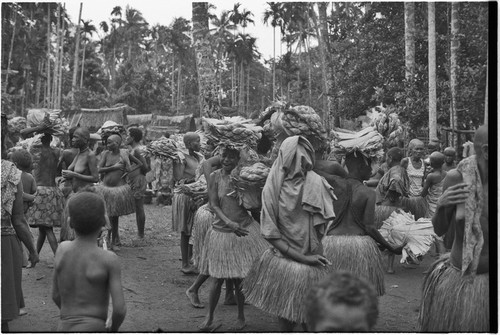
93,119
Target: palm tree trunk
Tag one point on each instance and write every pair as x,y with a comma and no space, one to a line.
409,40
56,63
61,58
432,72
172,83
274,63
248,91
486,91
83,64
453,71
207,83
232,85
10,51
75,65
47,96
38,83
324,69
241,103
179,80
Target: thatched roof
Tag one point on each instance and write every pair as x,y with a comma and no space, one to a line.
141,119
183,123
95,118
155,132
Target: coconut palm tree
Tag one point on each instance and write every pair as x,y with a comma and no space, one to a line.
88,29
274,15
207,85
431,12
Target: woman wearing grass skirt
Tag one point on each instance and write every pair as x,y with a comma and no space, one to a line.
296,205
116,192
233,243
456,290
351,241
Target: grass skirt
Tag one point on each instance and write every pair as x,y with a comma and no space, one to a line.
202,223
47,209
417,206
279,285
119,199
230,256
382,213
12,294
183,208
452,303
358,255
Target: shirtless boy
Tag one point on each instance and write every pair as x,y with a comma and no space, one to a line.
85,275
182,205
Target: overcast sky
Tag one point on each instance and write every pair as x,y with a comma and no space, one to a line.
163,12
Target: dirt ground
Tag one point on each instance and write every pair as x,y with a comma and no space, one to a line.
154,288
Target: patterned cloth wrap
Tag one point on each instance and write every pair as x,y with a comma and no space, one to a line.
48,207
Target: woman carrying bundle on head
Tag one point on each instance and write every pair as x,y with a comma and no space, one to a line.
296,205
233,243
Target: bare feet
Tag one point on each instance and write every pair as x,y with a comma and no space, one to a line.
390,271
22,311
208,327
194,299
189,270
239,325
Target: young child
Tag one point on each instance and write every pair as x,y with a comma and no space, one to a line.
86,275
433,184
449,159
24,162
341,303
433,188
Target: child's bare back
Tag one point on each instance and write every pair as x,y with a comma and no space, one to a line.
84,275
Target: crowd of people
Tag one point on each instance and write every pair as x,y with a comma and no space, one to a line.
311,255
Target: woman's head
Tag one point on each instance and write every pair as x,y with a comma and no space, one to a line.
358,165
230,158
416,148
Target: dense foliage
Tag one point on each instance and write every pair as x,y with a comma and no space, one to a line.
152,68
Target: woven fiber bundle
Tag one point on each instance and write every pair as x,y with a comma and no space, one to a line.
386,121
199,187
382,213
367,141
452,303
279,285
56,124
401,227
237,131
358,255
162,148
248,182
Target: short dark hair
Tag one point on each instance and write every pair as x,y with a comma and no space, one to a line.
46,138
135,133
341,287
395,153
86,210
22,158
356,158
